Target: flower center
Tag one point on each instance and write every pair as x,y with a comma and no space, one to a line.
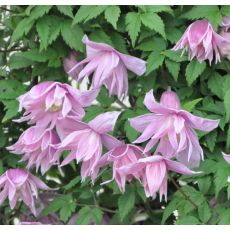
56,106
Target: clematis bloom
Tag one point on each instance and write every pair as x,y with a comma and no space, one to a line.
19,184
85,144
36,146
109,67
120,156
154,173
172,127
227,158
201,41
226,23
48,101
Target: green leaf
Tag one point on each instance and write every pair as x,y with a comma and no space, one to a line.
204,212
189,106
97,215
227,104
215,84
228,138
126,202
82,14
72,35
188,220
154,61
154,22
225,10
66,10
39,11
11,107
173,67
100,36
66,211
204,184
95,11
174,55
152,44
72,183
212,13
17,62
112,14
43,29
156,8
133,25
211,140
84,216
131,133
193,70
23,28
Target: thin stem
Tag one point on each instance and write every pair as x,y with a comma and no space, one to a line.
13,49
121,104
5,9
183,193
97,206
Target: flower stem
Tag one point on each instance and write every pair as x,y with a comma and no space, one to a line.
121,104
183,193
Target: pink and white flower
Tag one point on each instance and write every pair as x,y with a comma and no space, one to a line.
154,173
227,158
85,144
122,155
36,146
19,184
109,67
226,23
201,41
48,101
172,127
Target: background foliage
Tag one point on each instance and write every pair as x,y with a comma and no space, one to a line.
33,42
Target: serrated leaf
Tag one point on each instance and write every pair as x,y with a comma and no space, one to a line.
126,203
84,216
189,106
173,67
18,62
212,13
39,11
131,133
215,84
193,70
100,36
188,220
43,29
227,104
211,140
95,12
152,44
156,8
72,183
66,10
204,212
204,184
112,14
66,211
175,55
154,21
11,107
72,35
154,61
133,25
82,14
97,215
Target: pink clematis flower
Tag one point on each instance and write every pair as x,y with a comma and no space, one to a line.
120,156
172,127
201,41
37,146
226,23
227,158
109,67
70,62
85,144
20,184
154,171
225,50
48,101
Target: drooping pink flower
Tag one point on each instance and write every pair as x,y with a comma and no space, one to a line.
154,173
172,127
48,101
70,62
109,67
37,146
19,184
226,23
225,49
201,41
120,156
85,144
227,158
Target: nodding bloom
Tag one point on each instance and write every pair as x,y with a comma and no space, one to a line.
227,158
172,127
226,23
201,41
36,145
154,173
108,66
85,144
70,62
120,156
19,184
48,101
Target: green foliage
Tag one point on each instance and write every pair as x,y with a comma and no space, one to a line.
34,40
